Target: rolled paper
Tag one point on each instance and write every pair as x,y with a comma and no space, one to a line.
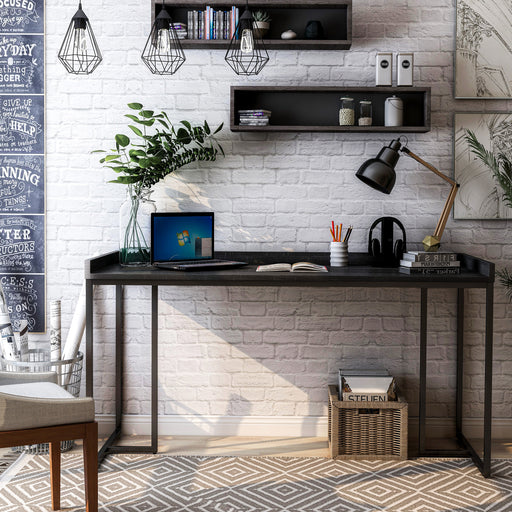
7,342
22,339
55,330
76,329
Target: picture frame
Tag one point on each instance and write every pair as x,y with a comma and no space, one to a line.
479,197
483,50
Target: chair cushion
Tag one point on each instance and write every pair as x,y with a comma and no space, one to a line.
36,390
41,404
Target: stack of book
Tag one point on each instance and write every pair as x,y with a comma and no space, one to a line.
180,29
421,262
372,385
254,117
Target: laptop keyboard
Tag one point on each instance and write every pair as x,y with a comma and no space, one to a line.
198,262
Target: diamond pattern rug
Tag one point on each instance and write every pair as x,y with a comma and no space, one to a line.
7,458
158,483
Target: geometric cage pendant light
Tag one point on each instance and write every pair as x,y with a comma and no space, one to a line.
163,53
79,52
246,53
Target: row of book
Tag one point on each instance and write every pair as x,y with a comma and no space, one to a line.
212,24
254,117
421,262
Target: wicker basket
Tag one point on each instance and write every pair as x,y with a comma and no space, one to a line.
364,431
69,375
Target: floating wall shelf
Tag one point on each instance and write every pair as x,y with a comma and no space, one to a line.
335,17
315,109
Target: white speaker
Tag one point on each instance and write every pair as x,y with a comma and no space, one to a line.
404,69
384,69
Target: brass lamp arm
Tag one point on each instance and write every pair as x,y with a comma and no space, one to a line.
432,242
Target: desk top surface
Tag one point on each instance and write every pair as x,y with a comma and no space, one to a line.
105,269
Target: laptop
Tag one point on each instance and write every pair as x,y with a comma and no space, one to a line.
185,241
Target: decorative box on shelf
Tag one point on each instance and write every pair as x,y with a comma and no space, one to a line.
334,16
367,431
316,108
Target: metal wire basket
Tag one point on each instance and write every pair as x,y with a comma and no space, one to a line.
69,376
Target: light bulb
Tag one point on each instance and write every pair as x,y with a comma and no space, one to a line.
247,41
163,41
80,42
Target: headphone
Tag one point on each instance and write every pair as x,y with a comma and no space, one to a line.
384,249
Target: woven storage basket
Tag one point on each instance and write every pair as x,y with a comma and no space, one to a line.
367,430
69,375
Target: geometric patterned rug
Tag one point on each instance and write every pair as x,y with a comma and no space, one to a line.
6,459
159,483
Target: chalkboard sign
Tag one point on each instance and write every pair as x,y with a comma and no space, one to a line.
21,64
21,184
21,124
25,296
22,244
21,16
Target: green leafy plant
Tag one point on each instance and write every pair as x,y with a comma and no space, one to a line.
153,156
159,149
501,167
261,16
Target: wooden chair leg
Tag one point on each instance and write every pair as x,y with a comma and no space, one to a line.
91,466
55,474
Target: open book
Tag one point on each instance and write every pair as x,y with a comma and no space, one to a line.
301,266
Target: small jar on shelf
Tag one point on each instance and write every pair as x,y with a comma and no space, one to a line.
346,114
365,113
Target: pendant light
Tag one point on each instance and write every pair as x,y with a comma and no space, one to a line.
79,52
246,53
163,53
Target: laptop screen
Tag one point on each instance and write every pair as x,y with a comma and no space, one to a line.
181,236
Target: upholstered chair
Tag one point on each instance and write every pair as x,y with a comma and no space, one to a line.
35,409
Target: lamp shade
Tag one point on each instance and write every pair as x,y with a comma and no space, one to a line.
379,173
246,53
79,52
163,53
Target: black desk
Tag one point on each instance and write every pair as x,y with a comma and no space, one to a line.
475,273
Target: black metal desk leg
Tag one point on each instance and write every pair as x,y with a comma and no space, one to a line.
489,312
459,396
423,372
119,356
154,369
89,340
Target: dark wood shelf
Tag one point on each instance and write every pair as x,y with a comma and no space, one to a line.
315,109
335,17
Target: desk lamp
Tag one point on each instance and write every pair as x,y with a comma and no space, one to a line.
379,173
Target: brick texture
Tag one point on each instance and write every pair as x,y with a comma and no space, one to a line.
266,351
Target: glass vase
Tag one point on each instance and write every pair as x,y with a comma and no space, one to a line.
135,227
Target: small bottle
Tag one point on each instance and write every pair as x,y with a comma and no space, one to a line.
346,115
365,113
8,345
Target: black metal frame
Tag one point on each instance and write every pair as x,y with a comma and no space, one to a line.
475,273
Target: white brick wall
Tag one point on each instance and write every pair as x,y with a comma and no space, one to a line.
266,351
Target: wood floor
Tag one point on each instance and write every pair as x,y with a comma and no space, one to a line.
263,446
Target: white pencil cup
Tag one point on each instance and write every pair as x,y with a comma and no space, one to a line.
339,254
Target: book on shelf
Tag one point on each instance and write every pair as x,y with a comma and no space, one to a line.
429,264
429,256
301,266
429,270
212,24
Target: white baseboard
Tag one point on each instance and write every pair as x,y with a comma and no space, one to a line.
283,426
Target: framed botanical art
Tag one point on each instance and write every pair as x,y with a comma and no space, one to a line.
480,196
483,49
